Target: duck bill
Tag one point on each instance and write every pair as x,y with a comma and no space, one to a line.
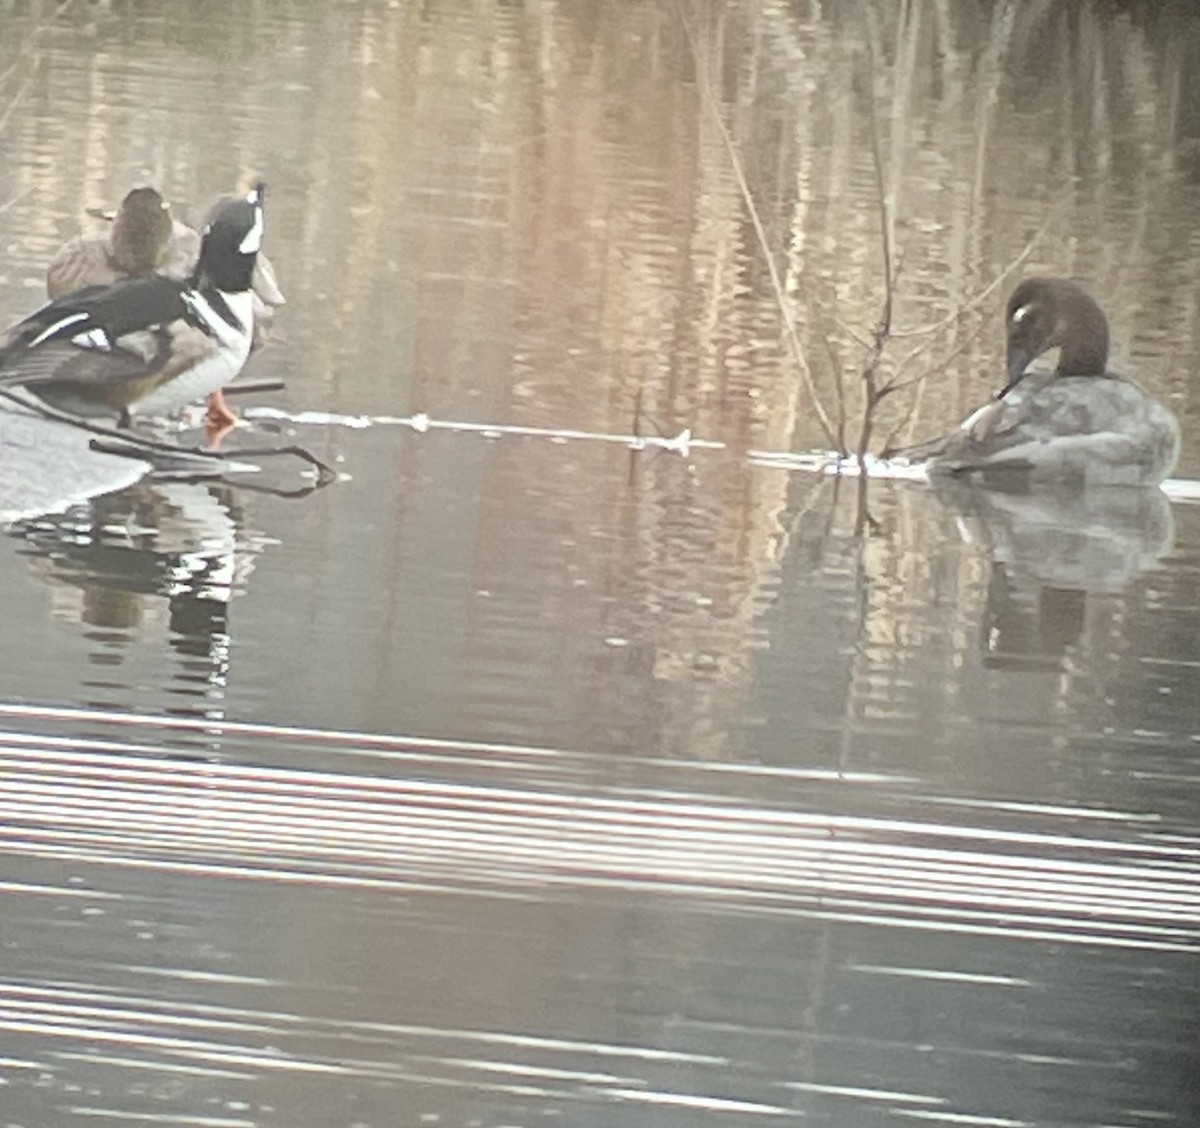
1019,359
264,282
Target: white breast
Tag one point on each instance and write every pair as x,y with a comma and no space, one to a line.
217,369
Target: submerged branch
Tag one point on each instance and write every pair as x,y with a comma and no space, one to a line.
129,444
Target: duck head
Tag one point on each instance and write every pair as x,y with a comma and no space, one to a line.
1048,313
141,232
230,241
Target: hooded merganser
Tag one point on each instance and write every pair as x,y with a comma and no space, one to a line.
1079,423
149,343
145,239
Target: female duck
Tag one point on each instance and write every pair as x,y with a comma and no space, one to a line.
145,239
1079,423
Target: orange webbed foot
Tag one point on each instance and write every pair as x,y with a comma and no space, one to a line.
220,414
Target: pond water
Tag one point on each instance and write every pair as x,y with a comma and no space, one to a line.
525,777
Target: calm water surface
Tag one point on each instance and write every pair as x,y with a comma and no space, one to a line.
531,779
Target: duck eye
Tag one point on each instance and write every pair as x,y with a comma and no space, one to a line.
1020,313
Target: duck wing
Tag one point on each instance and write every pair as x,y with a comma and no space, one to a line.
1085,427
83,380
105,346
97,316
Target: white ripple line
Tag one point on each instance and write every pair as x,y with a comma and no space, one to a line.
741,858
122,1115
863,1094
700,1103
304,786
526,838
278,1024
614,837
1010,925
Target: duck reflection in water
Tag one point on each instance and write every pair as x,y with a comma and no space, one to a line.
1080,424
1051,551
167,556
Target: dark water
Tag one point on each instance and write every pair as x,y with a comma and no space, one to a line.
532,779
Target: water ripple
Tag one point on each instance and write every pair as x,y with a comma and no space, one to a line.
515,837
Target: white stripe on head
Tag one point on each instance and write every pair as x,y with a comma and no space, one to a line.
1021,312
252,243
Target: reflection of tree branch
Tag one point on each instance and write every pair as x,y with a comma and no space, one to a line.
21,90
896,384
863,521
788,532
15,199
26,54
887,192
961,310
792,335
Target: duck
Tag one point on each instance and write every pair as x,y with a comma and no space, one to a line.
147,344
1078,424
145,238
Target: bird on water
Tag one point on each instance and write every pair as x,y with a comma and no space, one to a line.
1079,423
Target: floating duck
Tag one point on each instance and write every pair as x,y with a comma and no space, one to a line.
1078,424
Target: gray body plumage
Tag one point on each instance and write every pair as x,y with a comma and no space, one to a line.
1080,423
1085,429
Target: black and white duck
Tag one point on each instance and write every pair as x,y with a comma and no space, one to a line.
144,238
147,344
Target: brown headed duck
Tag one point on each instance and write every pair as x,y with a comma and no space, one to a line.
145,239
1080,423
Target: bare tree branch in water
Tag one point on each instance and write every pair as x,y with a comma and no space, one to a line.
132,444
887,183
895,383
792,335
877,385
